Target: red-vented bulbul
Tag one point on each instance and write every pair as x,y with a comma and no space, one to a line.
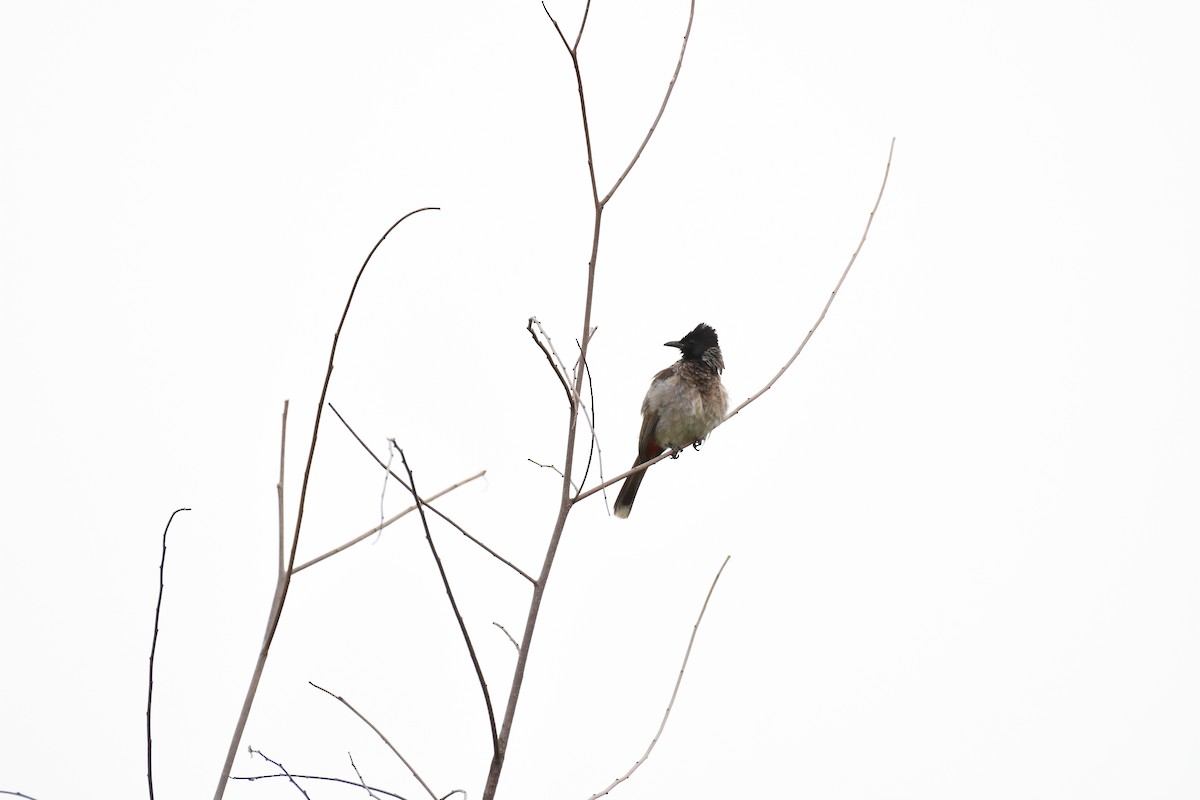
685,402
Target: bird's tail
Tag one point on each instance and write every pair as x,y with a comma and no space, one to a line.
628,493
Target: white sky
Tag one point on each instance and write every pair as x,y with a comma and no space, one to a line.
964,527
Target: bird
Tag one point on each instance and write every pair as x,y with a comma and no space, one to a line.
683,405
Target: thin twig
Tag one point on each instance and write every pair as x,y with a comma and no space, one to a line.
360,777
279,486
315,778
549,467
282,769
671,704
285,581
378,733
509,635
871,218
587,415
446,519
385,523
16,794
654,125
557,373
383,490
162,565
462,626
594,448
586,9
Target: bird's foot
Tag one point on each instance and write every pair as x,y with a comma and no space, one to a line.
675,451
696,445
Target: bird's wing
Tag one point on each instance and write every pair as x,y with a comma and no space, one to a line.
648,446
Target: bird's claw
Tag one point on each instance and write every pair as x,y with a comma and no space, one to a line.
675,451
696,445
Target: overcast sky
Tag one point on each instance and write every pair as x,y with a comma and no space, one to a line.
963,527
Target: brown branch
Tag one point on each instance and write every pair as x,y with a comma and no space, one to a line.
316,778
566,502
281,768
361,782
871,218
279,486
654,125
558,374
462,626
162,565
378,733
445,519
509,635
386,523
285,580
671,704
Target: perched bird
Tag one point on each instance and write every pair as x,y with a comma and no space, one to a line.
685,402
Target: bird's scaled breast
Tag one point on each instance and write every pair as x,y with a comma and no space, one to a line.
687,410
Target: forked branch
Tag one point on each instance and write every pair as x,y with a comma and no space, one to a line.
285,575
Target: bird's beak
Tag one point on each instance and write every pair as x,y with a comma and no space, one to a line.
673,344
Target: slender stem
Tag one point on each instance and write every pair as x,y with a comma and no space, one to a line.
285,576
462,626
654,125
162,565
675,693
445,518
366,534
378,733
870,218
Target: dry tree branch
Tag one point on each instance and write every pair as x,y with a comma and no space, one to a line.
671,704
282,769
462,626
361,782
386,523
445,519
589,411
162,565
253,778
509,635
277,607
557,373
566,502
870,218
279,486
654,125
378,733
16,794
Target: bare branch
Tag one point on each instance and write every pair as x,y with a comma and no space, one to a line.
162,565
871,218
557,373
279,486
671,704
378,733
462,626
386,523
285,576
445,519
586,9
281,768
315,778
661,109
509,635
361,782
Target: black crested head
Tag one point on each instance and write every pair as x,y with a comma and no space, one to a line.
699,341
